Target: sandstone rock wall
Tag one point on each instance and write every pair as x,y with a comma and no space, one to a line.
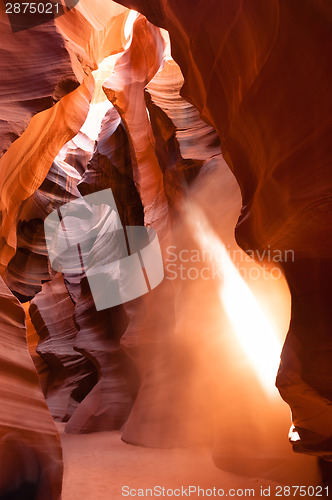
259,73
164,367
30,450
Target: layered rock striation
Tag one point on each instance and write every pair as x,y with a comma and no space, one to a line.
259,75
30,450
165,367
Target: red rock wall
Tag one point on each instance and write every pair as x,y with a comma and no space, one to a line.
30,450
39,67
259,73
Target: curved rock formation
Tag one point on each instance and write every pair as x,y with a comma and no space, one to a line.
32,341
108,404
255,72
111,167
196,138
30,450
56,58
30,266
258,73
125,89
26,163
76,43
71,376
29,83
153,421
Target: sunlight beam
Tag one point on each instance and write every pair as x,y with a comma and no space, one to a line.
252,328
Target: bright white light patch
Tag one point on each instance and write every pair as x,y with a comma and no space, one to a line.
92,124
293,434
254,331
128,29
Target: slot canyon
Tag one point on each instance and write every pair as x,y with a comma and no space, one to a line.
165,249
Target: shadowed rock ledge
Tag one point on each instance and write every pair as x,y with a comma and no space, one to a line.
30,450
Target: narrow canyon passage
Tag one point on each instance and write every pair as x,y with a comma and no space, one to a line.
165,249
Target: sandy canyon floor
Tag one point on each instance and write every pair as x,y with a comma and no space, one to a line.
99,465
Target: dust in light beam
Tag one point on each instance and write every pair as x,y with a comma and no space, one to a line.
255,333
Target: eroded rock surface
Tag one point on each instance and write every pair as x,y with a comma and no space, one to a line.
30,450
71,376
244,70
167,370
42,64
